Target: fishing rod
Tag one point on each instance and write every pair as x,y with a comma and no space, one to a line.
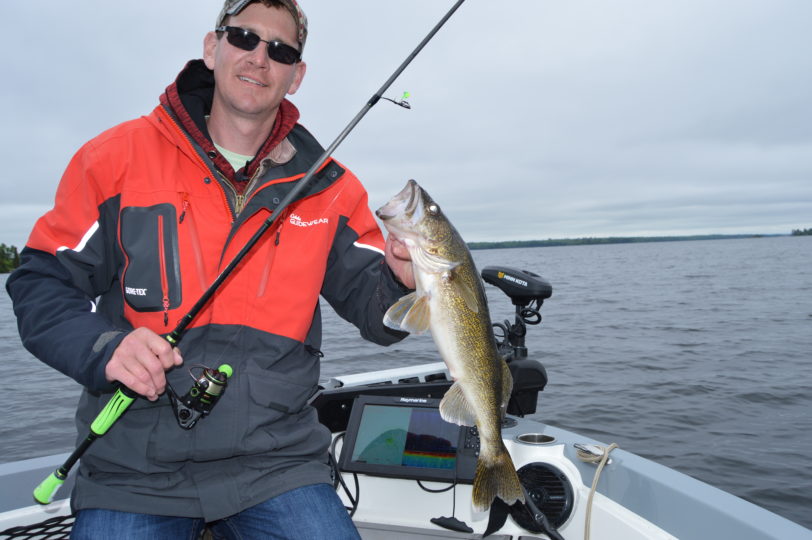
209,387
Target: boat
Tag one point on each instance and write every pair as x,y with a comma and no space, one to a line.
404,473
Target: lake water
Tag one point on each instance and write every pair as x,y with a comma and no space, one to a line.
697,355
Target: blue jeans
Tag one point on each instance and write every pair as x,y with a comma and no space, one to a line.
311,512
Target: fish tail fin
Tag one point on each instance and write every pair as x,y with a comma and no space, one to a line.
496,477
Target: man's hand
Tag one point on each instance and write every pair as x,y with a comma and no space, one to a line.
139,363
399,260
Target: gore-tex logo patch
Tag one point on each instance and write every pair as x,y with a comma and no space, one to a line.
135,291
298,222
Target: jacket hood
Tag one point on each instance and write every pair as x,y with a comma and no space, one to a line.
189,100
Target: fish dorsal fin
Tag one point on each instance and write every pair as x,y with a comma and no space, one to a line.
455,408
409,314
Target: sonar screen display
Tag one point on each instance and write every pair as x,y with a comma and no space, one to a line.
405,436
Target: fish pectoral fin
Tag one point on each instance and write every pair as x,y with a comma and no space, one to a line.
507,385
455,408
468,295
418,318
397,311
409,314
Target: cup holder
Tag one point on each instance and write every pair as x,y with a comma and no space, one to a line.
535,438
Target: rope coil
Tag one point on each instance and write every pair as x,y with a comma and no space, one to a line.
601,459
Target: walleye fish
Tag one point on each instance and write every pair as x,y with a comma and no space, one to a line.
450,301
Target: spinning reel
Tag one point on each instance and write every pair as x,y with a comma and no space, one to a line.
202,396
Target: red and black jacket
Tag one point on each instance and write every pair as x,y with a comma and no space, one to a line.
146,216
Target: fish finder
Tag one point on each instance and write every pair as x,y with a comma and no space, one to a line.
405,437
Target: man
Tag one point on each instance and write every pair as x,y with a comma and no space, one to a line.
146,216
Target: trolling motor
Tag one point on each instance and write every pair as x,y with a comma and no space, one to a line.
201,397
527,291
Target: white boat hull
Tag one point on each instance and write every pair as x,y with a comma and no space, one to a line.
635,499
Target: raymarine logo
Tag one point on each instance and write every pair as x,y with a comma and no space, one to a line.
297,221
413,400
135,292
517,281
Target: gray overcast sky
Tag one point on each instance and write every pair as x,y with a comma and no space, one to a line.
530,119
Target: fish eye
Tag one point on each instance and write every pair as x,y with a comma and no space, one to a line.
433,209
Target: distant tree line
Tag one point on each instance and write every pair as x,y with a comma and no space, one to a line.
9,258
609,240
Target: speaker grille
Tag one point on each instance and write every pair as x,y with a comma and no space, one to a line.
551,492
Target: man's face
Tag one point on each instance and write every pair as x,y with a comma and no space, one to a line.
249,84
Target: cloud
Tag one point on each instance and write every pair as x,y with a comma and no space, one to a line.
532,119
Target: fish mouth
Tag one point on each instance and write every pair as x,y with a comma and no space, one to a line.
404,203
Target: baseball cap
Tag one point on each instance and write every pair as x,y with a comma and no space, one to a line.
233,7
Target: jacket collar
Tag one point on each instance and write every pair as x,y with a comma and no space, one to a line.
189,100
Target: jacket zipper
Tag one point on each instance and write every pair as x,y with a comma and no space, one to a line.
240,199
164,280
269,260
226,185
184,207
188,216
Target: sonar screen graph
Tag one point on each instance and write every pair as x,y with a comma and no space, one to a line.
428,441
409,437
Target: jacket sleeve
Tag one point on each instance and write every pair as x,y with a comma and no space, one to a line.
68,262
359,284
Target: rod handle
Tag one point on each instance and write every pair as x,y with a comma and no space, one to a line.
44,493
112,411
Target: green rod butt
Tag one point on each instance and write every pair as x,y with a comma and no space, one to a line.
44,493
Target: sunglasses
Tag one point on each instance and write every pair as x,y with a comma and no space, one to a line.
248,41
